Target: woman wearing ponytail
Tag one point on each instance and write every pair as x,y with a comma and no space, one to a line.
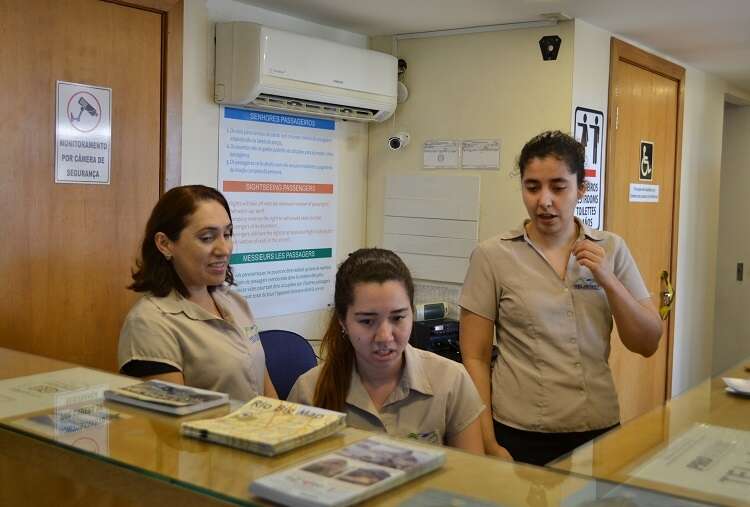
370,371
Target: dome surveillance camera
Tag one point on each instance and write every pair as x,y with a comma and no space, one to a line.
398,141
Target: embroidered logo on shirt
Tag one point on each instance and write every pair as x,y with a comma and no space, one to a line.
430,437
586,284
252,333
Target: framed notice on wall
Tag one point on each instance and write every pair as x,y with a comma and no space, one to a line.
83,134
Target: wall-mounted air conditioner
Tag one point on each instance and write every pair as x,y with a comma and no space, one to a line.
273,69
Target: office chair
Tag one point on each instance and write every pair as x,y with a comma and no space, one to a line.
288,355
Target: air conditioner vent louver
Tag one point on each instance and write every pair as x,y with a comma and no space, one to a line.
327,110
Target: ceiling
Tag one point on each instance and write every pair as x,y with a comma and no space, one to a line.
711,35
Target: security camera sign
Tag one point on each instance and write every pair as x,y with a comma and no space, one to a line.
83,134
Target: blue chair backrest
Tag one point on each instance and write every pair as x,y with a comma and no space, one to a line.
288,355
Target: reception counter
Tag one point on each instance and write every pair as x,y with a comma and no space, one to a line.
138,458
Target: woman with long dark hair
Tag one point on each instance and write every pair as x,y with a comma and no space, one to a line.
190,327
372,373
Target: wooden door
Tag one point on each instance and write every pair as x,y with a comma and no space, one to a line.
67,249
645,106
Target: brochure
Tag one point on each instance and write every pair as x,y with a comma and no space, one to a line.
167,397
349,475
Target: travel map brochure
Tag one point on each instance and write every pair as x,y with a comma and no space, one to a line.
167,397
267,426
350,475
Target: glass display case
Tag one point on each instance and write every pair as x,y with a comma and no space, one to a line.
61,444
696,445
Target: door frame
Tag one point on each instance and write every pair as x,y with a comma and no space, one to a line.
622,51
170,156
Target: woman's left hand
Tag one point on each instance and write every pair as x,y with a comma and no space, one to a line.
592,256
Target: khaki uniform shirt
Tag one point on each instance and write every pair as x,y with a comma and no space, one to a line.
551,373
223,355
435,399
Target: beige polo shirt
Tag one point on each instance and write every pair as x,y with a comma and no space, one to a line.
551,373
435,399
223,355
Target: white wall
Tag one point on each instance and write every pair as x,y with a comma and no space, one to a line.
491,85
200,129
590,69
699,229
732,329
699,197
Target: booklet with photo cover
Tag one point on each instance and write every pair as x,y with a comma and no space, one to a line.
167,397
267,426
352,474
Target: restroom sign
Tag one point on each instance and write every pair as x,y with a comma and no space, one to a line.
646,165
588,129
83,134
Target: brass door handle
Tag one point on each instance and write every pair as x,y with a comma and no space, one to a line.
667,296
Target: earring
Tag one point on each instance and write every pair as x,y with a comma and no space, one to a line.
168,257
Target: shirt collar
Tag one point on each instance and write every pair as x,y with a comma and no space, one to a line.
584,232
587,232
413,378
175,303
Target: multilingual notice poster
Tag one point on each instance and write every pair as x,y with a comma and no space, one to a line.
278,173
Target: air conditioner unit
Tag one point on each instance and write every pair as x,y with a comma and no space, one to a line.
273,69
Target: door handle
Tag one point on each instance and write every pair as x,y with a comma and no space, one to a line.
666,301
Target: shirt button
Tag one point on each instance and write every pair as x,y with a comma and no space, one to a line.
581,389
570,314
572,340
578,365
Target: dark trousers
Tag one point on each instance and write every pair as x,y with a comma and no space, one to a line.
541,448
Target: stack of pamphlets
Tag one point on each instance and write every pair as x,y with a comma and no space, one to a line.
267,426
166,397
349,475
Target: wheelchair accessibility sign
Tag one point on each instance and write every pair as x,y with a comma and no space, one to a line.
646,166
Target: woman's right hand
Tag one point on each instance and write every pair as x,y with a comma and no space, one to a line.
495,449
